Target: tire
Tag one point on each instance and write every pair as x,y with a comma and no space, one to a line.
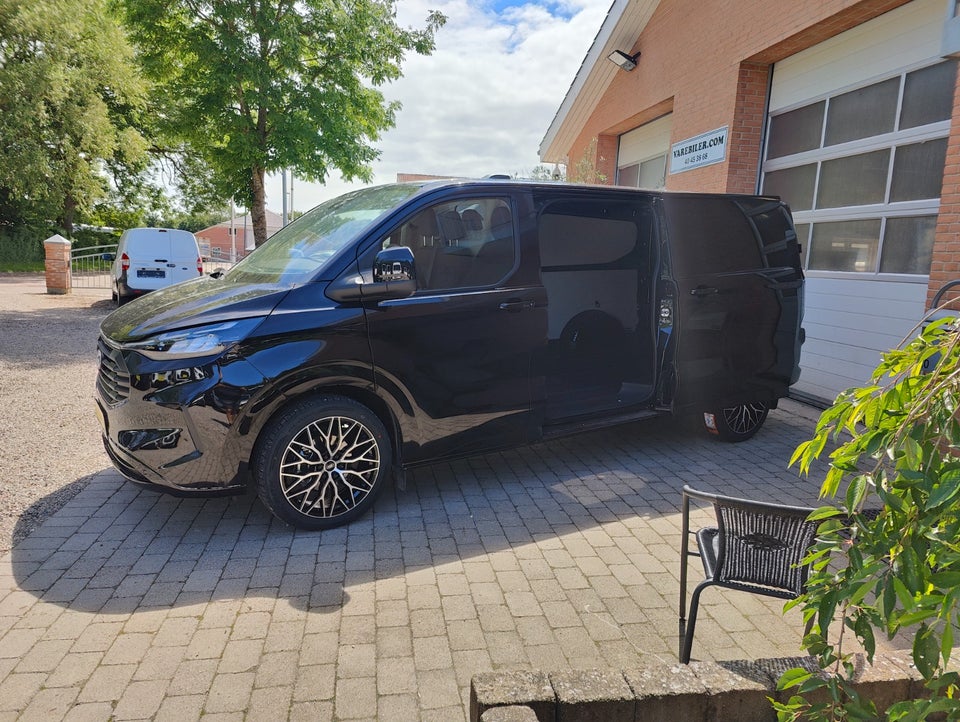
736,423
322,462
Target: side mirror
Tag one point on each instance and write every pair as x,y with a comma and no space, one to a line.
395,265
108,257
394,276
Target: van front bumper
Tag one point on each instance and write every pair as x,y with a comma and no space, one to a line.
169,428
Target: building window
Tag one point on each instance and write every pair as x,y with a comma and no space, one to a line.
862,171
650,174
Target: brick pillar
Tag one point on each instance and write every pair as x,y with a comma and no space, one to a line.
57,264
945,264
746,130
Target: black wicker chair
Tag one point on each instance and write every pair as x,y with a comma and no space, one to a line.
755,547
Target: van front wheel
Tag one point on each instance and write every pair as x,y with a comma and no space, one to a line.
736,423
322,462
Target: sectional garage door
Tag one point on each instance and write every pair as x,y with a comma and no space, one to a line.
642,155
856,141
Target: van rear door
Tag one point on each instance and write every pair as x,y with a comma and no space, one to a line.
160,257
738,295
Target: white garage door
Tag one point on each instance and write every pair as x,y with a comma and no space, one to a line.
856,143
642,156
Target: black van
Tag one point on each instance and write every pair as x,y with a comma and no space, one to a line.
402,324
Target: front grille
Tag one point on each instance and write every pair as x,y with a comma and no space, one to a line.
113,380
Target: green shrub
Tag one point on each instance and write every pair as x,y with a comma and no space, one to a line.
21,248
898,572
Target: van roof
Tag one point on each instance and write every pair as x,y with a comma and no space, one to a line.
492,182
154,231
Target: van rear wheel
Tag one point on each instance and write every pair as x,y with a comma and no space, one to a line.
322,462
736,423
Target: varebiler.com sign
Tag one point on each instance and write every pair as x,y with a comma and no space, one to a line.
705,149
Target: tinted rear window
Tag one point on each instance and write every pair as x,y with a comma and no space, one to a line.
710,235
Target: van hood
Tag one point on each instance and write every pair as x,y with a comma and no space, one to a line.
193,303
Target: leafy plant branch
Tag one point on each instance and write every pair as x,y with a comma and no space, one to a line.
887,558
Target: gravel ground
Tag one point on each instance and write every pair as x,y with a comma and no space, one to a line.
49,438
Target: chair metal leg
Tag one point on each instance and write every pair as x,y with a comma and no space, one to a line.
684,556
692,621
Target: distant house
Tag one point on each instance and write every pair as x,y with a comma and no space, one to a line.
217,242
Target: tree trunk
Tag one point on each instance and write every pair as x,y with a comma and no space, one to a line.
69,213
258,212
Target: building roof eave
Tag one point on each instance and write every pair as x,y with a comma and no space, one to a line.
623,24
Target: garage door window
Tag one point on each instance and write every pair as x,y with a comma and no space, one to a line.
862,170
650,174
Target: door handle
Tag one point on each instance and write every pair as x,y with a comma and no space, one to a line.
517,306
701,291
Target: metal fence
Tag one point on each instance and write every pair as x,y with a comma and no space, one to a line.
214,266
88,268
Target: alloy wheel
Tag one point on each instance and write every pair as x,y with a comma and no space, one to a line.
329,467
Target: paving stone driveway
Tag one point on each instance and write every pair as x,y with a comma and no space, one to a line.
127,604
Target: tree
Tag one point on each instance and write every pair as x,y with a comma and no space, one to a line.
898,572
585,169
69,96
255,86
546,173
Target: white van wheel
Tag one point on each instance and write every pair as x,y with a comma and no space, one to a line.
322,462
736,423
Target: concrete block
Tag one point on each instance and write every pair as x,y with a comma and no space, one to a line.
513,713
667,692
903,660
886,681
503,689
587,695
738,691
774,669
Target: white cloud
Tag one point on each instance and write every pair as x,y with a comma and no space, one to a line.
483,100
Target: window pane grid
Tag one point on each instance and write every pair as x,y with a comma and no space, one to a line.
880,155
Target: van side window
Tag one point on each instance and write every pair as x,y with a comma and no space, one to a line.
460,244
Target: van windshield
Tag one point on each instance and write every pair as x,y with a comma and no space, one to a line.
299,251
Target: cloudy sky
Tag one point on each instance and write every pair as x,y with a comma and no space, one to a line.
483,101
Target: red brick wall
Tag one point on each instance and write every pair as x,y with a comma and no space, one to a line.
219,237
945,265
709,62
746,131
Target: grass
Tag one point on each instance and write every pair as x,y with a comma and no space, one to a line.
21,267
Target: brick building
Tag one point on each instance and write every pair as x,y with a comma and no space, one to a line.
843,108
217,242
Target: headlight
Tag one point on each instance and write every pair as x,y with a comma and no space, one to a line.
192,342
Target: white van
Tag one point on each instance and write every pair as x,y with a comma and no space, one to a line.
152,258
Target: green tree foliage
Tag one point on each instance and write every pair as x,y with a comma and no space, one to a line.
585,170
69,97
898,447
254,86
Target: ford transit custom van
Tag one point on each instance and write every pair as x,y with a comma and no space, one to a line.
402,324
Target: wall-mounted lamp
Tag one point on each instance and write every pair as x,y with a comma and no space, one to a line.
622,60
